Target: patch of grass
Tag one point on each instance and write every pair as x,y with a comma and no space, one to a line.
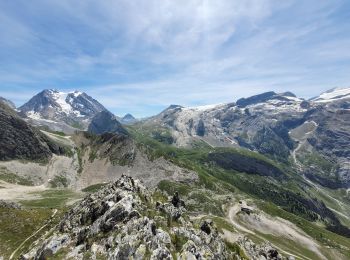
93,188
222,224
235,248
59,133
315,159
59,181
18,224
92,155
10,177
171,187
178,241
80,158
77,125
204,202
50,199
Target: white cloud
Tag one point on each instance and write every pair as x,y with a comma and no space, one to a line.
131,54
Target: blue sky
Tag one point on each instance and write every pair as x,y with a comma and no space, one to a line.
140,56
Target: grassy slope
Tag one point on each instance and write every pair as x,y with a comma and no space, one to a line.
286,194
18,224
214,189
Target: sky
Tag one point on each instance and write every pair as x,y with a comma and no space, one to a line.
140,56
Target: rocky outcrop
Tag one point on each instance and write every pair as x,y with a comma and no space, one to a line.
264,251
122,221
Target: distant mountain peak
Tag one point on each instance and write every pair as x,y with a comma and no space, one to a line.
106,122
74,108
128,117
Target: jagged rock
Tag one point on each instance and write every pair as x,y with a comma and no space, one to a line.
246,210
206,227
113,223
176,201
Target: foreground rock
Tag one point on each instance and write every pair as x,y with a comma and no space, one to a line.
9,205
122,221
264,251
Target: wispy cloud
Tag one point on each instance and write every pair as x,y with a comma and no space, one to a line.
140,56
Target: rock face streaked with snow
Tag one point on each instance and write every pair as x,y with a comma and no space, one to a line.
61,111
332,95
314,134
248,123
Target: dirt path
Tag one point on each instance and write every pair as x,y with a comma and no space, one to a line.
272,225
34,234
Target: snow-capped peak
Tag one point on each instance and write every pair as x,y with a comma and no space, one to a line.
332,95
52,104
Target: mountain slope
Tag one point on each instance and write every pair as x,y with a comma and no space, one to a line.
128,119
249,123
245,193
61,111
106,122
332,95
8,102
21,141
313,135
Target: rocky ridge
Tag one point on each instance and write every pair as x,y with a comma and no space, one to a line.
123,221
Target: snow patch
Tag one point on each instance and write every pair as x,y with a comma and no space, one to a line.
60,99
333,95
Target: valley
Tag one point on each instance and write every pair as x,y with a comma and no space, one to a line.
265,175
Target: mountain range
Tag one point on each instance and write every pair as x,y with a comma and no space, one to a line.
264,177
